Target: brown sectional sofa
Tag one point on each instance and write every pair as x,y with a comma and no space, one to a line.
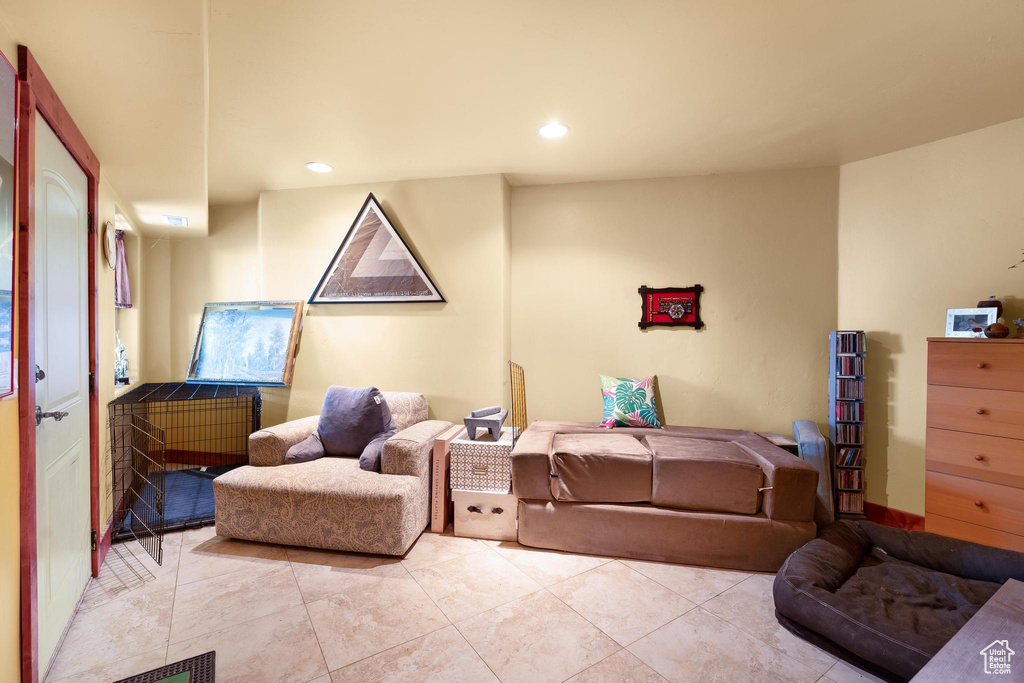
716,497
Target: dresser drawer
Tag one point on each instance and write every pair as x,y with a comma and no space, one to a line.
954,528
977,456
979,364
979,411
979,502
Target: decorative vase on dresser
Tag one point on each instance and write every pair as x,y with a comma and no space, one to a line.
974,484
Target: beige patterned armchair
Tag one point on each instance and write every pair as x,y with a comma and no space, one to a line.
331,503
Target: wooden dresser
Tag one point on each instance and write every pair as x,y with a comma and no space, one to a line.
974,484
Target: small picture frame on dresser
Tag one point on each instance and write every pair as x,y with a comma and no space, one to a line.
969,322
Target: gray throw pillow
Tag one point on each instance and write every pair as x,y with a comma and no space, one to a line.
308,449
350,418
369,460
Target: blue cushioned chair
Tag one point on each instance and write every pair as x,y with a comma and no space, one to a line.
813,448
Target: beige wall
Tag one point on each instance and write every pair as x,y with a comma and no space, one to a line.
107,341
222,267
155,278
128,321
920,231
506,283
454,352
10,526
763,245
500,253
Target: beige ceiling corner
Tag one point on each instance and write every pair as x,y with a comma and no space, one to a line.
393,90
134,76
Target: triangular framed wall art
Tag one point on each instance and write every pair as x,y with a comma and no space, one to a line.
374,265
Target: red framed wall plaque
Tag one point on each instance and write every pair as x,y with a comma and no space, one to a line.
670,307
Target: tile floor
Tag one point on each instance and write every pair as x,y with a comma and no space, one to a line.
453,609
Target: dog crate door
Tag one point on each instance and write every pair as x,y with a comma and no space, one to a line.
138,454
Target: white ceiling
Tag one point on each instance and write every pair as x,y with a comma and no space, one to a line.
133,76
390,90
386,90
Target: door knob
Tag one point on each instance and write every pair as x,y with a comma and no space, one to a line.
980,411
979,503
55,414
40,375
981,366
979,458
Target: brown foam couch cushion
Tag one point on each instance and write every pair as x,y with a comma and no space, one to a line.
600,468
645,532
698,474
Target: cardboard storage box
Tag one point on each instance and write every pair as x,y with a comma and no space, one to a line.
484,514
482,464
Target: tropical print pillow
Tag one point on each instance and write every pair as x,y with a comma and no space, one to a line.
629,402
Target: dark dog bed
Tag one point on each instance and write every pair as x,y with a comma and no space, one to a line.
886,599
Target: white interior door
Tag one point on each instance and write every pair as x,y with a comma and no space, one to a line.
62,353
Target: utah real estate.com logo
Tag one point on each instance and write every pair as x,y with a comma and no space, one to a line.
997,657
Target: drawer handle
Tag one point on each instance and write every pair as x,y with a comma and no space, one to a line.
497,511
978,503
980,411
982,366
474,508
979,458
480,470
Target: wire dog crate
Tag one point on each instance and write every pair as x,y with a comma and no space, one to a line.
168,442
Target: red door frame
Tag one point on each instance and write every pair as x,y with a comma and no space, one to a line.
36,94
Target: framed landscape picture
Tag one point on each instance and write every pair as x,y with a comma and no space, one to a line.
246,342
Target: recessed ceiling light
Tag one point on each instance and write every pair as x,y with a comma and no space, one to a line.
553,130
319,167
178,221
